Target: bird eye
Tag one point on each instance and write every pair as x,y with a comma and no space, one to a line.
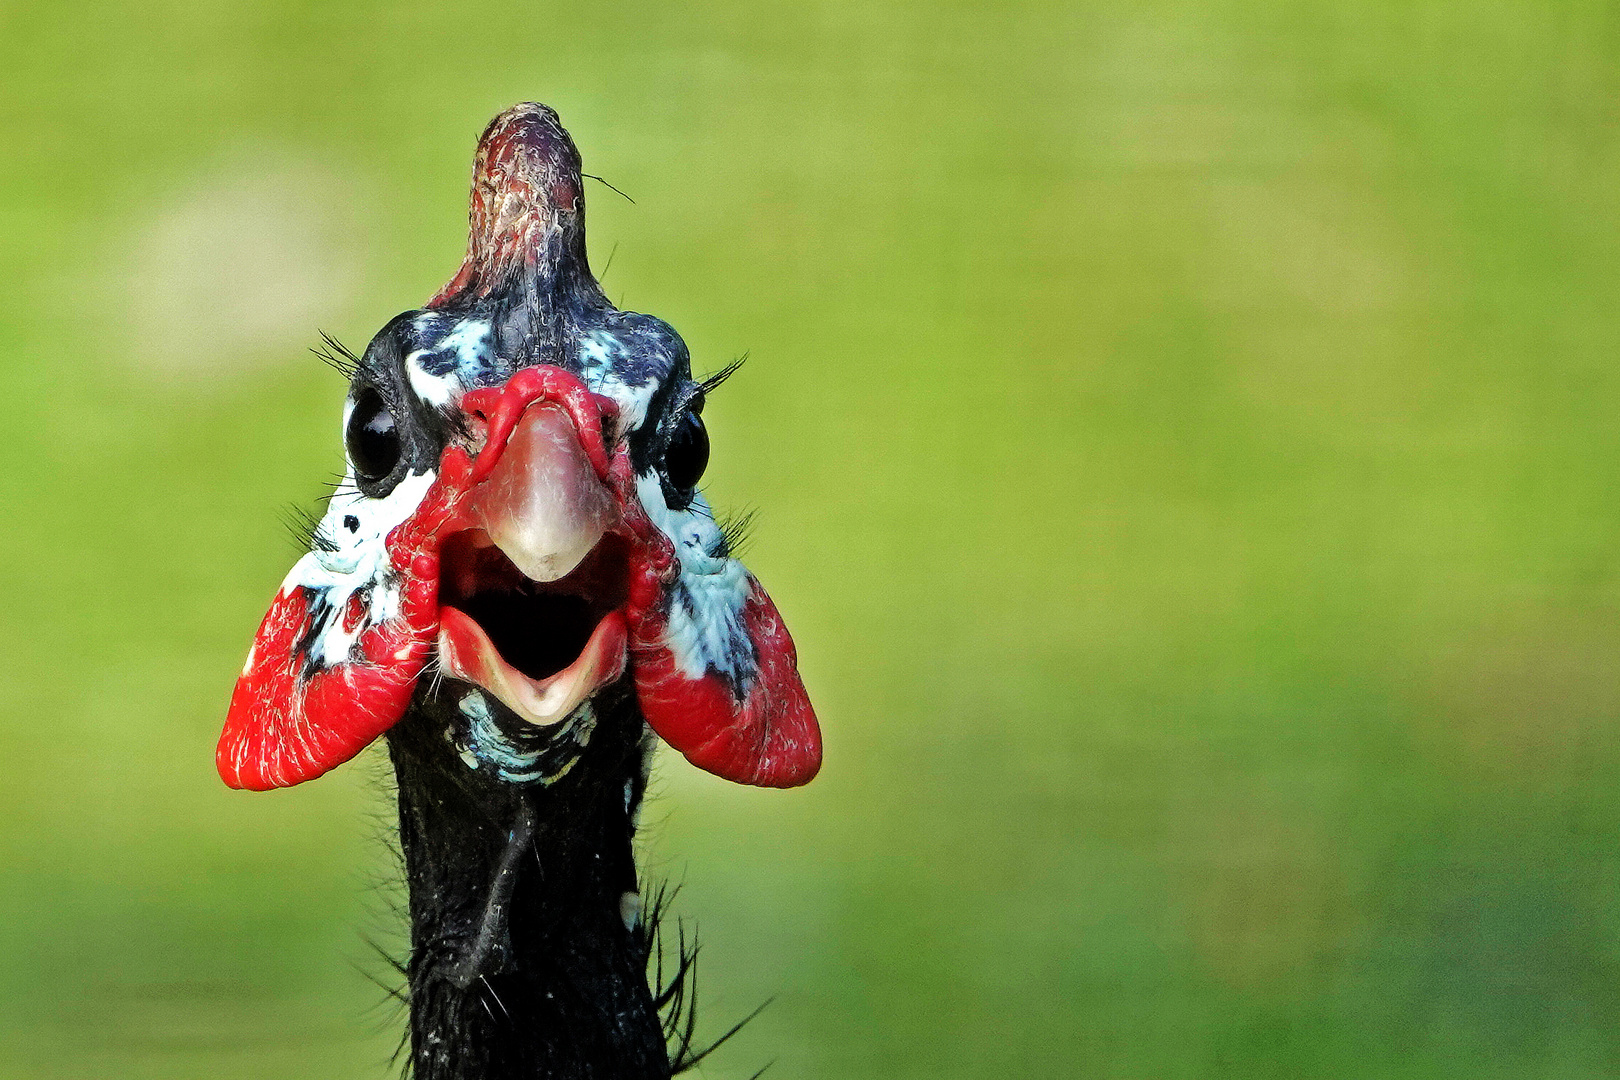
687,454
371,438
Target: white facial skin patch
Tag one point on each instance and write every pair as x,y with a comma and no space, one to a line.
438,380
350,557
599,354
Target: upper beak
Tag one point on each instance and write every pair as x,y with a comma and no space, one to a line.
543,504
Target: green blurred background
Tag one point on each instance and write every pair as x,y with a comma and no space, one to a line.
1184,437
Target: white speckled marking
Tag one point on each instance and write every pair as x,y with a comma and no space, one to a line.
597,353
470,340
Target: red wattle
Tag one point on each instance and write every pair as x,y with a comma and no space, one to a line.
768,736
283,729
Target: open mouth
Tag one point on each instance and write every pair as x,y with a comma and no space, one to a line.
530,594
540,647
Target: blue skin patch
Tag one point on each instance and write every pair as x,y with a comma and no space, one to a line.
444,346
705,631
543,758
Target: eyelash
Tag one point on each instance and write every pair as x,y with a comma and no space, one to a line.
337,356
695,398
712,382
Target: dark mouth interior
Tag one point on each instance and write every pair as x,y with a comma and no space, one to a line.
537,627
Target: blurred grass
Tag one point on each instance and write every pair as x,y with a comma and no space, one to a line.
1185,442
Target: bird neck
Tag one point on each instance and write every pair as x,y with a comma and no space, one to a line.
527,954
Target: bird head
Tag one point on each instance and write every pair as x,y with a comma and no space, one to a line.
520,519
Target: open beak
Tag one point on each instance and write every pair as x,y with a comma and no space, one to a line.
530,592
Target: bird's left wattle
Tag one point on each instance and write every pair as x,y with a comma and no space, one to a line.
521,514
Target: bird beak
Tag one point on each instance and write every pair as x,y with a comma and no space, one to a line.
543,504
530,552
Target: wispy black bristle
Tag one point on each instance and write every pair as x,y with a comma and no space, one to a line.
395,1007
304,526
335,355
334,483
736,529
710,383
676,996
610,187
457,428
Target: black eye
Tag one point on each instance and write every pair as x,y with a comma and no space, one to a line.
372,439
688,453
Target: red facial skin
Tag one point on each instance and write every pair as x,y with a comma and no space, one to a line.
283,728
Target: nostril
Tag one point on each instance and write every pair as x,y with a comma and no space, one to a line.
499,409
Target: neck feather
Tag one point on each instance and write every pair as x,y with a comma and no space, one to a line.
527,959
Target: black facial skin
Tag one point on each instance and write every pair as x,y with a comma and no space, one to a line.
379,379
